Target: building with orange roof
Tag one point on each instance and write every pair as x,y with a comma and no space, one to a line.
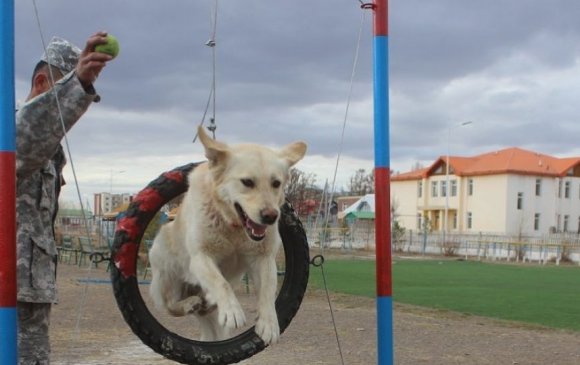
510,191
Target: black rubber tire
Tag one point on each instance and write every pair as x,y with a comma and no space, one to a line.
131,226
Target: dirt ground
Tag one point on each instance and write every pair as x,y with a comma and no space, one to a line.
95,333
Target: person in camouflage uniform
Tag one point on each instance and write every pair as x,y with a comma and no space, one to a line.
68,73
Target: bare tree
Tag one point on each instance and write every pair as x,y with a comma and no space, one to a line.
362,183
397,231
299,186
417,166
67,204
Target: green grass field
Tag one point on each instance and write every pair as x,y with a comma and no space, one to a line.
545,295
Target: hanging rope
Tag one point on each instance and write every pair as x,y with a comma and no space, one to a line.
82,299
332,189
212,93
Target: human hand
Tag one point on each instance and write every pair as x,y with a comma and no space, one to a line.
90,62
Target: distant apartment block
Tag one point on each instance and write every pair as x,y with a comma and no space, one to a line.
107,202
510,191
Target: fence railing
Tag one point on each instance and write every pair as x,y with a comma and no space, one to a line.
556,248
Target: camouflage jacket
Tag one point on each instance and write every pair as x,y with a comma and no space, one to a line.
39,163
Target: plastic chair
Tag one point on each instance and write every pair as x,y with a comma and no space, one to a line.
85,249
66,250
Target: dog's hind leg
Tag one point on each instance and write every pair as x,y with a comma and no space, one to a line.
188,300
210,328
186,306
217,291
178,299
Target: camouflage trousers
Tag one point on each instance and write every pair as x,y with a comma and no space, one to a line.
33,342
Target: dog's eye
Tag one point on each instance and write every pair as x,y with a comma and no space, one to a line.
276,184
249,183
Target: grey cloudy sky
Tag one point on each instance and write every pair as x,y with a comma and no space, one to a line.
510,66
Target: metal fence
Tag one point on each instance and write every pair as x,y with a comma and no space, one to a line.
553,248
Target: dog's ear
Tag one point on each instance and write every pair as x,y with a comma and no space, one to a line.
215,151
293,152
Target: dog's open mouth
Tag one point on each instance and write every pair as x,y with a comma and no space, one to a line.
256,231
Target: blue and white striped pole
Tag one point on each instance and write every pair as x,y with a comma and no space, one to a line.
8,314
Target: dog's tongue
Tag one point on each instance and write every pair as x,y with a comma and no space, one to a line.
257,229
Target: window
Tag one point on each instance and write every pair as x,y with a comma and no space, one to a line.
537,222
453,188
557,222
470,187
560,189
455,220
578,225
469,220
419,221
443,188
565,228
434,188
419,189
567,189
520,201
538,187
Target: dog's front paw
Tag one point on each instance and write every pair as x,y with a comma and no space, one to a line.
231,314
267,328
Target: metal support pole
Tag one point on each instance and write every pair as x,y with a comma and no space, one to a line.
382,184
447,190
8,314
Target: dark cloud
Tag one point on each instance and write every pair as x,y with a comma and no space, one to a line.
283,73
444,39
163,61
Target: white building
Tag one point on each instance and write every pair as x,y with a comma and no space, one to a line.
107,202
511,191
363,204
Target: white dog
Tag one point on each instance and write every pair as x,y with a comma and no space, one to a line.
227,226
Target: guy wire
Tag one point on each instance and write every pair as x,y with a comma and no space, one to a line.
331,196
83,297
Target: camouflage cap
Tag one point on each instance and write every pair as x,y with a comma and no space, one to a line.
61,54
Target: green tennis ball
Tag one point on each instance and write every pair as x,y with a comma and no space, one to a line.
111,47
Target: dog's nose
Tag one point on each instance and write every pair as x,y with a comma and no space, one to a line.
268,215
